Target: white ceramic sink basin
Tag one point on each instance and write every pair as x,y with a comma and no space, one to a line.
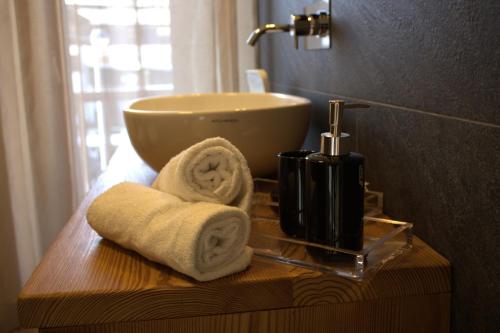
259,124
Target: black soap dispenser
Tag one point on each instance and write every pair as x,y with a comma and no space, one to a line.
335,190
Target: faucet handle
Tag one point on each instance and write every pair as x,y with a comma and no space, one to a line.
309,25
320,24
299,26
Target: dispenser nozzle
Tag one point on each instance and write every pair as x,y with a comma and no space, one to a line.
337,107
330,141
336,113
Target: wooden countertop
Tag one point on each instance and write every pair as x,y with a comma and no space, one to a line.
83,279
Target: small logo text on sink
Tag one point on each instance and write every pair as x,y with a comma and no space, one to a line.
226,120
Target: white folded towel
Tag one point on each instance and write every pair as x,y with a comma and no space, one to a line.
203,240
212,170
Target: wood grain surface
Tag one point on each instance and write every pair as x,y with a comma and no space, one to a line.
85,280
427,313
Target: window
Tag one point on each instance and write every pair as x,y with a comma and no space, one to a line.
118,50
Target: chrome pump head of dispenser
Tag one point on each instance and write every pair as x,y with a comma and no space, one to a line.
334,143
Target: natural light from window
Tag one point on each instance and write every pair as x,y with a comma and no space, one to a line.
118,50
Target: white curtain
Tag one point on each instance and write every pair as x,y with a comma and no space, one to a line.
40,172
209,53
37,177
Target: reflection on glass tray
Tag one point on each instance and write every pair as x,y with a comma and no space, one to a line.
384,239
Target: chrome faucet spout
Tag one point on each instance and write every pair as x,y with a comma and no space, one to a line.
257,33
315,25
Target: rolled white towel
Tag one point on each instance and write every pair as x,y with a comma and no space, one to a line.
212,170
203,240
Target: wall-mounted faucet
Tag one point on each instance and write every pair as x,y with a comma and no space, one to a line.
316,24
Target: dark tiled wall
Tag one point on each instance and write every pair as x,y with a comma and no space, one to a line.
431,72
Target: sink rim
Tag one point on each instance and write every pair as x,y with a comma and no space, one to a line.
296,101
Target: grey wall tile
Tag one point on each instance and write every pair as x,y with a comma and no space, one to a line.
440,174
420,63
438,56
443,175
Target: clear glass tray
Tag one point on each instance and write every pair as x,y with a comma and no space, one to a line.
384,239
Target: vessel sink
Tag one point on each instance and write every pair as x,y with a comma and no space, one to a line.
259,124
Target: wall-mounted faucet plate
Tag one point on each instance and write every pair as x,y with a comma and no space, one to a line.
314,25
318,42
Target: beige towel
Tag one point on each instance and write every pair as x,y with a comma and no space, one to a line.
203,240
212,170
